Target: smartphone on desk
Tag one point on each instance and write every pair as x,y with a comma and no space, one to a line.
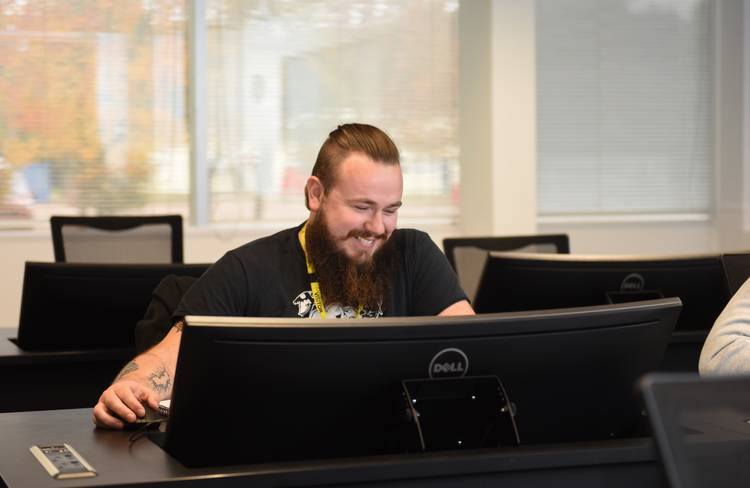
62,462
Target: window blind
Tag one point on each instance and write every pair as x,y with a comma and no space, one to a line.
625,107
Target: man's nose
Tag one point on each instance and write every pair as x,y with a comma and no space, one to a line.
375,224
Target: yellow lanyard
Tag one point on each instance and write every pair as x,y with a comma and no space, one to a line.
314,286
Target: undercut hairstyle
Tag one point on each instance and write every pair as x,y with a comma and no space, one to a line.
347,139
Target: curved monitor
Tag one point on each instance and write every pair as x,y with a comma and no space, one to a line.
515,281
251,390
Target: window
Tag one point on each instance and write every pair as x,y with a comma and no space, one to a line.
625,109
281,75
97,118
92,119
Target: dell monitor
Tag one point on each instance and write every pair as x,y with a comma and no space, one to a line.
257,390
73,306
513,282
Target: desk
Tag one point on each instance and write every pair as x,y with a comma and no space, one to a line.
617,463
31,380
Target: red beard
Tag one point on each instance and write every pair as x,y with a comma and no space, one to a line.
343,280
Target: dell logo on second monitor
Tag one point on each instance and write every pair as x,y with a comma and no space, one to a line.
632,282
450,362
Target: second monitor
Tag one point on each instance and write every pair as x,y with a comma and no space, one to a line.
513,282
74,306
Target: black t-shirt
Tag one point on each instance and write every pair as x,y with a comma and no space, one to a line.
268,278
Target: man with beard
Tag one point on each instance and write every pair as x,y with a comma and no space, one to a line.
347,260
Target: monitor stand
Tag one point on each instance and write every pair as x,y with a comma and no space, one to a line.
460,413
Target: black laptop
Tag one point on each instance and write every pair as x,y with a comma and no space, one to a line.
74,306
702,428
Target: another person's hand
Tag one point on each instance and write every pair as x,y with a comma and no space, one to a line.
123,402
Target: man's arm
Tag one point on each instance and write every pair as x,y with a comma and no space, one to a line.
727,348
434,287
459,308
146,379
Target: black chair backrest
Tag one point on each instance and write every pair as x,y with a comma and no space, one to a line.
468,255
552,243
118,239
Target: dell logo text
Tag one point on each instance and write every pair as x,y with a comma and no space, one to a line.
632,282
450,362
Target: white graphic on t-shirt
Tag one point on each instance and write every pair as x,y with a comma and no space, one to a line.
305,303
306,309
336,311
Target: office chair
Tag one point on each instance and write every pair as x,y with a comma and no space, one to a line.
467,255
131,239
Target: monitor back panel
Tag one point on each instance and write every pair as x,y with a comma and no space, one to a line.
518,283
302,393
70,306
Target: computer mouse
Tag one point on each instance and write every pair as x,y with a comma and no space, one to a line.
151,418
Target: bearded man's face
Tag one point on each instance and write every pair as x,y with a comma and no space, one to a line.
361,205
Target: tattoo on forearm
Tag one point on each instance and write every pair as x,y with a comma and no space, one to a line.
129,368
160,381
179,325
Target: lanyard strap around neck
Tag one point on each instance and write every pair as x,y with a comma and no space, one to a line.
314,285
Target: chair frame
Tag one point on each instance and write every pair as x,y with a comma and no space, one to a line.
504,243
116,223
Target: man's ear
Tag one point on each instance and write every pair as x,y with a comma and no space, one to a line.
315,193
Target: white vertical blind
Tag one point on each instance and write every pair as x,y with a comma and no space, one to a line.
625,106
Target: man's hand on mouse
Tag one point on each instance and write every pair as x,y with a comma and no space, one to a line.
123,402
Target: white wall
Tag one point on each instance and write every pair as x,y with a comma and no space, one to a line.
497,114
16,249
656,238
